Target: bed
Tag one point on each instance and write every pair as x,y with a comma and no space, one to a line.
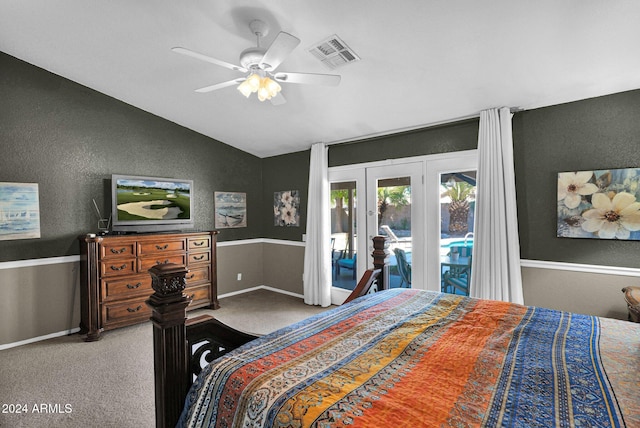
407,357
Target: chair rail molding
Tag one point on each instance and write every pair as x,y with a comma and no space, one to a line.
584,268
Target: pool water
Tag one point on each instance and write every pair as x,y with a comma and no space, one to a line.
450,244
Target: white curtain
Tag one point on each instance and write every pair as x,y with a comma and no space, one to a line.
317,254
495,271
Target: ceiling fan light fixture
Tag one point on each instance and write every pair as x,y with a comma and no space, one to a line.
271,85
250,85
264,86
245,88
263,94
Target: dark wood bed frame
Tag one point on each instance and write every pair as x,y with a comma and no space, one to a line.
182,346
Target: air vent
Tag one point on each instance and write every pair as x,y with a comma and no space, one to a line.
333,52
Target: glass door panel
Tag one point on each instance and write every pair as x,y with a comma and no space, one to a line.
394,221
393,203
441,173
344,254
457,207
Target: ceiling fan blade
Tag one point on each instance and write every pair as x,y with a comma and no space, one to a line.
278,99
220,85
308,78
278,51
206,58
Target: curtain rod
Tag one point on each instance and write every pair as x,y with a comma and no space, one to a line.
413,128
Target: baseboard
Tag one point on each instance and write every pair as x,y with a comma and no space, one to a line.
39,338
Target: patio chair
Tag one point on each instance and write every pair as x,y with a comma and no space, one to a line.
403,267
393,237
347,264
456,280
335,256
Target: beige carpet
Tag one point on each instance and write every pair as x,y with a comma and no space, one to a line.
65,382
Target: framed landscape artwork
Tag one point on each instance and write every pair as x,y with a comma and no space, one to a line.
231,209
601,204
19,211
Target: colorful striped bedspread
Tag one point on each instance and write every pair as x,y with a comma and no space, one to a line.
411,358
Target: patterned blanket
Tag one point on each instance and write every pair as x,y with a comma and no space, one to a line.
417,358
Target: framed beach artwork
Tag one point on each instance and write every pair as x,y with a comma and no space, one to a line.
286,206
601,204
19,211
231,209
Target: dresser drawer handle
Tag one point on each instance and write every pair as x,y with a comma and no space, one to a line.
160,247
134,310
199,257
199,243
133,287
160,262
118,267
192,276
120,251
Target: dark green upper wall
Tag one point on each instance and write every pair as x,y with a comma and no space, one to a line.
598,133
282,173
438,139
70,139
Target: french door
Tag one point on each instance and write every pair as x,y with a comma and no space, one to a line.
450,192
347,187
394,209
369,201
406,200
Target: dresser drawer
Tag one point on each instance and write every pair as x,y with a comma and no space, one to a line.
159,247
144,263
127,312
199,243
199,295
198,275
113,249
117,267
195,258
125,288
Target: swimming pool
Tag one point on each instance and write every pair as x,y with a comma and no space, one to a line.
468,244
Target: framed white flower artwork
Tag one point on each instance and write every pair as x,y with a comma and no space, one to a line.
601,204
286,206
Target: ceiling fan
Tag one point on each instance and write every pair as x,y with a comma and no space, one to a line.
259,67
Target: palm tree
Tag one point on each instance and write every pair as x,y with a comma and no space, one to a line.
460,193
392,196
339,196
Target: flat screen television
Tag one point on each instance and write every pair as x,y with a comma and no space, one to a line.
151,204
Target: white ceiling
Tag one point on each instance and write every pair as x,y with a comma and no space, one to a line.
422,61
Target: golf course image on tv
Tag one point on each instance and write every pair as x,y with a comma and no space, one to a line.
153,200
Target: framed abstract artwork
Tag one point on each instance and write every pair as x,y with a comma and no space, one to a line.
231,209
601,204
19,211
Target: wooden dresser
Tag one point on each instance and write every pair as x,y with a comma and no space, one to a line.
115,282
